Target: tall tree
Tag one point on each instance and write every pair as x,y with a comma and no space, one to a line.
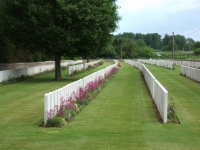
189,44
139,36
94,24
57,27
166,39
197,44
131,48
180,41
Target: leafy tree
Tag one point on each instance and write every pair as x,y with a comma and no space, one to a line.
117,43
197,51
60,27
130,48
189,44
141,43
197,44
147,52
139,36
129,35
108,52
94,24
167,38
149,40
180,41
169,46
157,42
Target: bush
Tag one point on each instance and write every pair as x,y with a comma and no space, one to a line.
172,112
56,122
197,51
101,62
12,80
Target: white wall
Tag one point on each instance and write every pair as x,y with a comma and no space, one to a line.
4,75
52,99
161,63
189,72
158,92
191,64
91,63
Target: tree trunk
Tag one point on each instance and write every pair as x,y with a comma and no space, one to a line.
57,67
88,59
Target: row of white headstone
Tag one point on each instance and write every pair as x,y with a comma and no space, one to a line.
81,66
189,72
161,63
52,99
14,73
158,92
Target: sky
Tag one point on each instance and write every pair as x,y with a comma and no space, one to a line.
160,16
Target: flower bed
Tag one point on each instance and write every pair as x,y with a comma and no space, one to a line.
70,106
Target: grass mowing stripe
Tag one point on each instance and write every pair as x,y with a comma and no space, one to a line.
120,117
184,91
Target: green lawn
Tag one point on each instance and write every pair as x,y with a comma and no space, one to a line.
120,117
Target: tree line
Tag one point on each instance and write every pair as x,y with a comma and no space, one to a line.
138,45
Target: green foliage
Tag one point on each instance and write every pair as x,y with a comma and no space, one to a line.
101,62
179,55
197,44
169,46
58,28
197,51
12,80
147,52
130,48
141,43
172,112
180,41
56,122
76,72
69,114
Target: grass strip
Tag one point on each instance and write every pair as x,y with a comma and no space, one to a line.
120,117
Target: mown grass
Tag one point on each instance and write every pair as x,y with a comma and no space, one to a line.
120,117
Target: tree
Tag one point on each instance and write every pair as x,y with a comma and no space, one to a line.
130,48
129,35
189,44
60,27
197,51
94,24
166,39
157,43
169,46
180,41
147,52
141,43
139,36
197,44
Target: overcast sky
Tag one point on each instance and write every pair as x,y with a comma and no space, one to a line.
160,16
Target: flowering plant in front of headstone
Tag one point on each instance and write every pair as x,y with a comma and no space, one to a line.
71,106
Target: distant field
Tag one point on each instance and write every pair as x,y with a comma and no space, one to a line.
178,55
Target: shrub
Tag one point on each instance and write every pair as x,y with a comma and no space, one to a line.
197,51
56,122
76,72
11,80
101,62
172,112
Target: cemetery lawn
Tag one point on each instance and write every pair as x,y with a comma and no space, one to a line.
120,117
